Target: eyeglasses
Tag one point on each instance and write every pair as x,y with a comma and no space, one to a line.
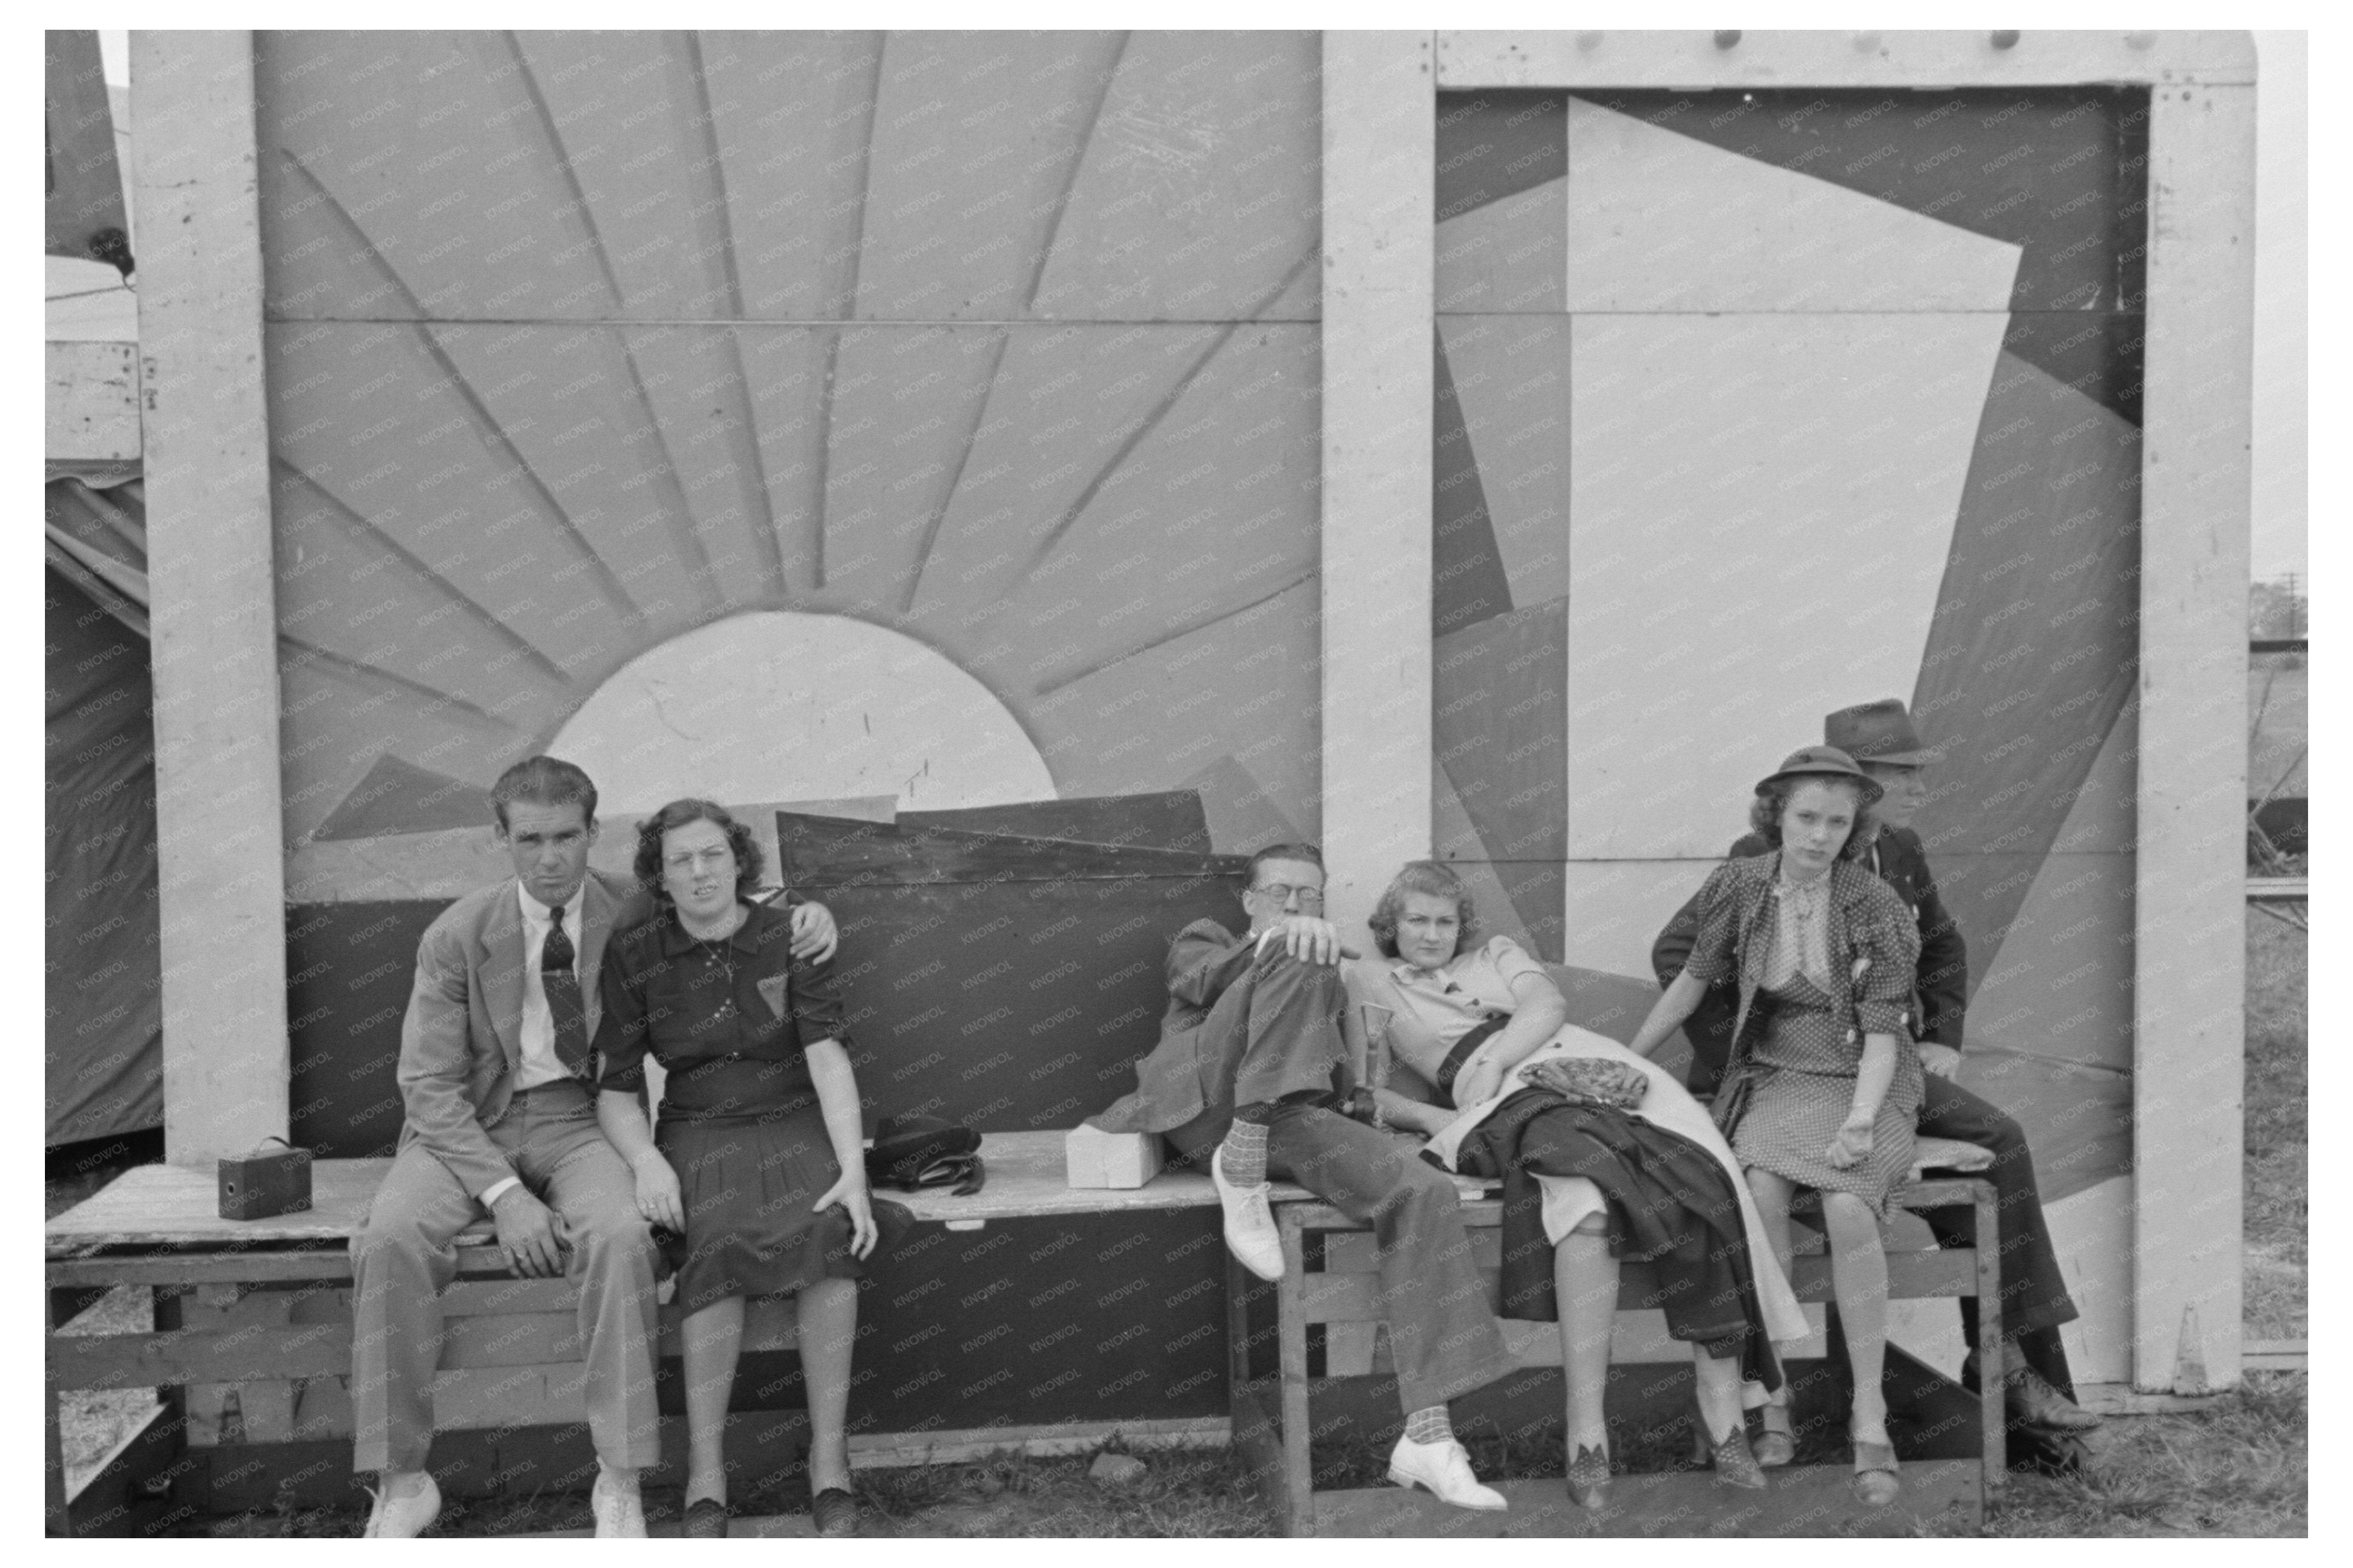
1283,892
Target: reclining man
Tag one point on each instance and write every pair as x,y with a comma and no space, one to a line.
2035,1301
1244,1068
501,1120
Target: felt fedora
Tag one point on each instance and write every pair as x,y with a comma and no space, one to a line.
1809,761
1878,731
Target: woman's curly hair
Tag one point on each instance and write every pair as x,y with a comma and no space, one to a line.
677,814
1434,881
1773,799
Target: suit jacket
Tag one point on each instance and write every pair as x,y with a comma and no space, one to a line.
1941,979
1170,1088
461,1041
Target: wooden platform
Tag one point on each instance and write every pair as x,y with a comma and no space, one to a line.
172,1206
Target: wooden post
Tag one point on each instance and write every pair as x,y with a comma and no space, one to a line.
1380,109
2188,1031
221,882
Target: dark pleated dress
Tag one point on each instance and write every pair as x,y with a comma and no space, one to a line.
729,1021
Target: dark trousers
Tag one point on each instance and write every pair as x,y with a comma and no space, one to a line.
1442,1332
2034,1299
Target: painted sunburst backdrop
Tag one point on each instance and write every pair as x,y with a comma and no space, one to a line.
925,415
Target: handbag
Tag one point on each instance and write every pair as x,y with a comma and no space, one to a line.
1591,1080
912,1153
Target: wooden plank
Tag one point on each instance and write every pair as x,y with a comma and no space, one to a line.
2278,890
93,402
1380,283
169,1205
1803,1501
2189,902
1354,1298
1693,58
213,597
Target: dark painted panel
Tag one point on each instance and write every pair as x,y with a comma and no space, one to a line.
1496,142
348,973
1168,819
1468,583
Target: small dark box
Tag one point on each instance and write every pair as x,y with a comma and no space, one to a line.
265,1183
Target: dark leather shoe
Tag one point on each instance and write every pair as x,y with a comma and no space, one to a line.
706,1520
1777,1440
2031,1399
1733,1460
836,1512
1588,1479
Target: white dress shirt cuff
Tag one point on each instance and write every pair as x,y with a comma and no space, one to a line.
496,1190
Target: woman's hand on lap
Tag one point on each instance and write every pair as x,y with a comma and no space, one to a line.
659,1198
1851,1147
859,1204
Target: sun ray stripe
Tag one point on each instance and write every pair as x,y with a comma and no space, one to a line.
924,546
684,528
1047,687
1151,421
849,300
1085,140
562,157
360,669
743,438
487,428
355,521
563,161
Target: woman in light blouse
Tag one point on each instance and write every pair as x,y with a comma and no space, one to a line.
1481,1021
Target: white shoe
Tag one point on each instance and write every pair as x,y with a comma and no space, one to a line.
1443,1469
397,1518
1251,1235
620,1514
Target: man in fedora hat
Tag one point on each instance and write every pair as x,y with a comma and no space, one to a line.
1879,735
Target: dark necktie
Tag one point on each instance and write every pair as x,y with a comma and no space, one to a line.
563,988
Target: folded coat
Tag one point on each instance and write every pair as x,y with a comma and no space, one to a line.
1671,1205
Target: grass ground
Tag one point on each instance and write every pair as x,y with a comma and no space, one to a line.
2236,1469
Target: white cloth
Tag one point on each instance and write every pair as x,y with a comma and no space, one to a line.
1665,1105
540,1063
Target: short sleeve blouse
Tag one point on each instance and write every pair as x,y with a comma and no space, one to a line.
690,1002
1449,1002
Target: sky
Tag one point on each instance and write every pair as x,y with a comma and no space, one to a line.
2279,510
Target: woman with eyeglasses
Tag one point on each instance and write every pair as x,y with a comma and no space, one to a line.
757,1172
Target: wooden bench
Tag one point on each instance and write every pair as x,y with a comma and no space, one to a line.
252,1342
1273,1429
252,1331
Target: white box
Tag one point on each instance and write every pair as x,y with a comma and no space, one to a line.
1092,1157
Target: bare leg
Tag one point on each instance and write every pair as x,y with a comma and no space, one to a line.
711,1339
1584,1278
1859,1276
1773,1194
1719,1391
829,1330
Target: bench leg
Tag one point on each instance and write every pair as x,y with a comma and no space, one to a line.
1298,1516
1994,1471
54,1517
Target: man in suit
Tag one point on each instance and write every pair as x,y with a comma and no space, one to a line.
1879,735
501,1118
1244,1072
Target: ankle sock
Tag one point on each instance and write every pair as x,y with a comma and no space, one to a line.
1244,1156
1430,1425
